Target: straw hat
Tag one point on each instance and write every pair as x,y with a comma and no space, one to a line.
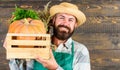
69,9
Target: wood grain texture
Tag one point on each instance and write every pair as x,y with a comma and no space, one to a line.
100,33
25,48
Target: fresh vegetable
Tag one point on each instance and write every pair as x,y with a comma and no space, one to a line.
26,22
44,15
23,13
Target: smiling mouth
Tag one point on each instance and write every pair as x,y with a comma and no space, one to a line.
63,29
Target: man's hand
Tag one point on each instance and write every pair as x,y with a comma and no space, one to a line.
5,44
51,63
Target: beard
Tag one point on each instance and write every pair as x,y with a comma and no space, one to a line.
62,34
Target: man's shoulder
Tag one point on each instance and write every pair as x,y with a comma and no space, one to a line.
79,47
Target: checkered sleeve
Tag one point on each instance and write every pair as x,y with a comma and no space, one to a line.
19,64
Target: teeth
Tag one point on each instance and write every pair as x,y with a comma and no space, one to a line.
63,29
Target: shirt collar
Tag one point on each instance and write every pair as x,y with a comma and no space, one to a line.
68,42
65,47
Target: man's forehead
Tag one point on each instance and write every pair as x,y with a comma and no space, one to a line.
65,14
62,14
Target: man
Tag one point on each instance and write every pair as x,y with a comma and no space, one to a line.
69,55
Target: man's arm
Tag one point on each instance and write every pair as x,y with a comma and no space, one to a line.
81,58
19,64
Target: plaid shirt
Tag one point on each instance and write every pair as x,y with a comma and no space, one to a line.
81,59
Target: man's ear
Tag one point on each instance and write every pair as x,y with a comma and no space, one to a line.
76,25
53,21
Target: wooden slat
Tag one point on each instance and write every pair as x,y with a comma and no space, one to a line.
7,41
104,27
96,41
16,34
30,42
90,8
105,62
28,53
105,54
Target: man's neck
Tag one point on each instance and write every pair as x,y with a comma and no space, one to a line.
56,41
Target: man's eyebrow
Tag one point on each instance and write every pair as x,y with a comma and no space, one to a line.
61,15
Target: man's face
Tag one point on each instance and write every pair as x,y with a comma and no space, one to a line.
64,25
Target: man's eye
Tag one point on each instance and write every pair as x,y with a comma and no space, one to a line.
71,20
61,18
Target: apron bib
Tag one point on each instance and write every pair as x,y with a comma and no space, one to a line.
65,60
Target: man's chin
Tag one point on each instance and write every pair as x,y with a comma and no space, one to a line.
63,36
64,31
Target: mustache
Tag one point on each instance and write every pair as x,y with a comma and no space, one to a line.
64,27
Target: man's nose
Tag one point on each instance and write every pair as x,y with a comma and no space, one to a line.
66,22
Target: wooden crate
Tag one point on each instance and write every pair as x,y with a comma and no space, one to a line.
41,47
